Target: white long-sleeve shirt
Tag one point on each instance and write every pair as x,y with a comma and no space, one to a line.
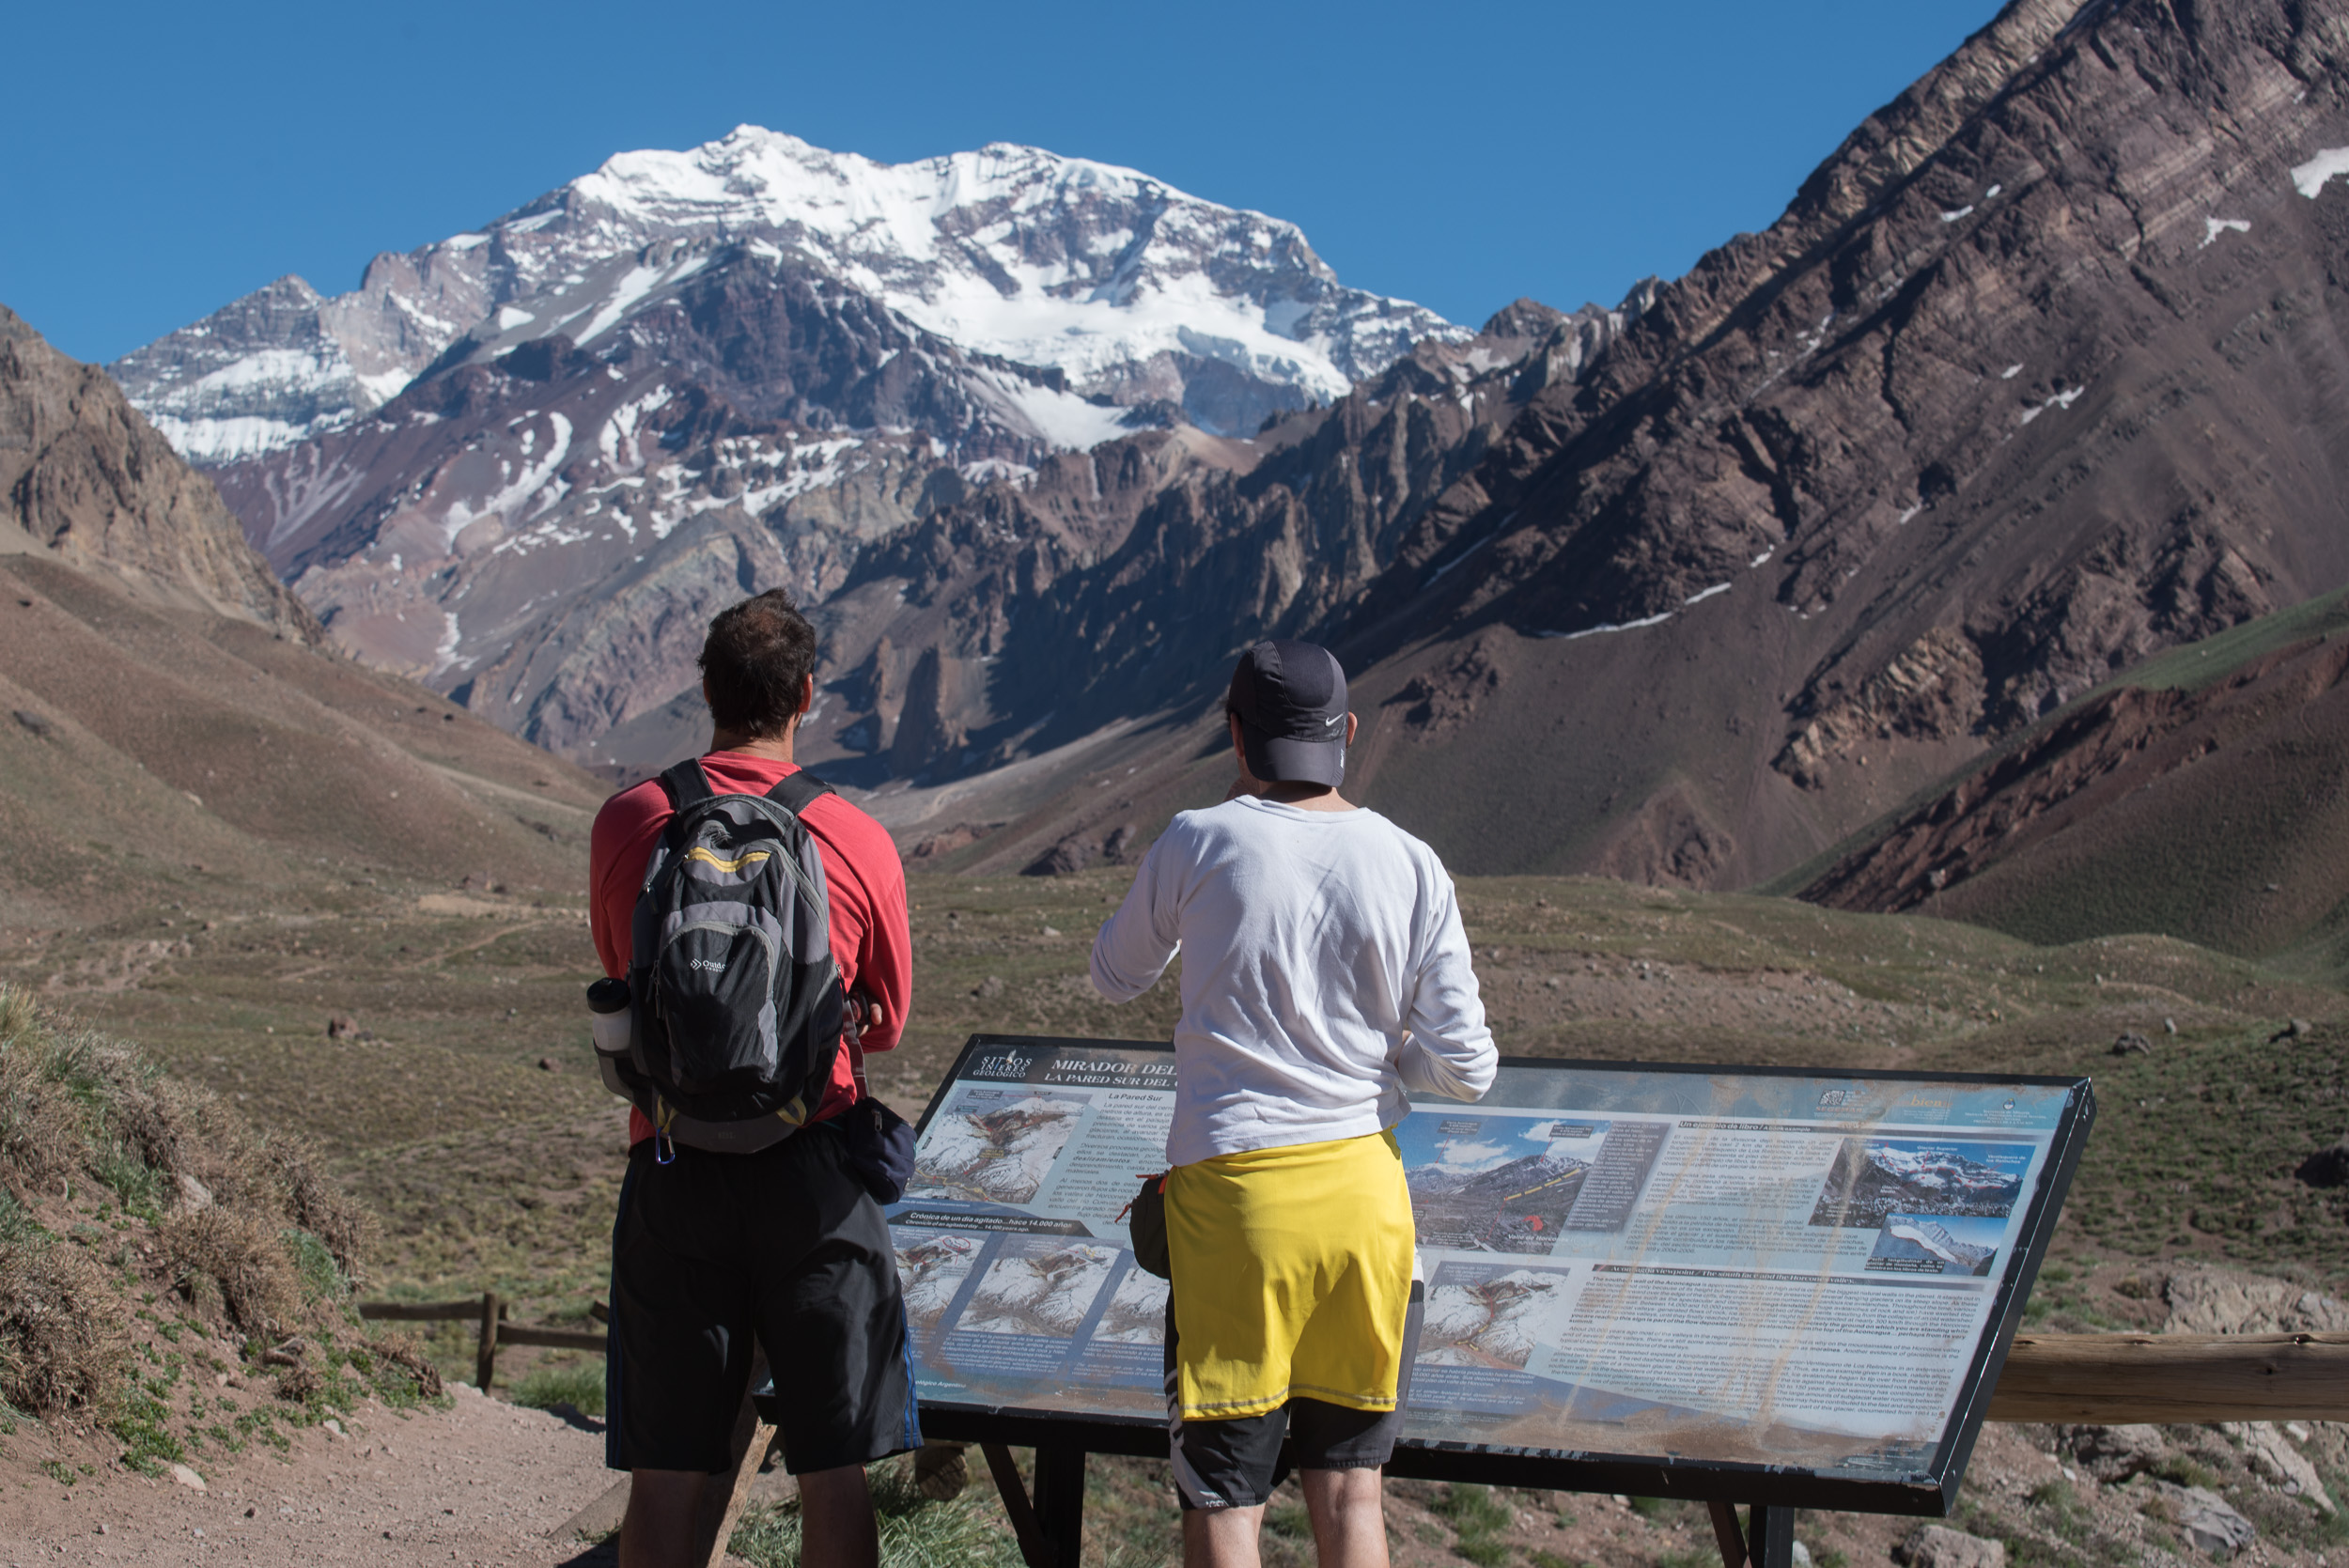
1324,970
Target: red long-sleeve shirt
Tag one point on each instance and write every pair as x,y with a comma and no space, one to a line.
862,875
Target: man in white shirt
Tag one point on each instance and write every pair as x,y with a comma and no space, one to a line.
1325,972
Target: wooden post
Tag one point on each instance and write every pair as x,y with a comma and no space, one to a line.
485,1361
2114,1379
724,1493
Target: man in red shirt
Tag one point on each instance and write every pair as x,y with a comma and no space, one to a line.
785,1244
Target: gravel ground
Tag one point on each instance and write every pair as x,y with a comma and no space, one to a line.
479,1482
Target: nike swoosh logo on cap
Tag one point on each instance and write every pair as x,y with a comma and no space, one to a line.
1328,722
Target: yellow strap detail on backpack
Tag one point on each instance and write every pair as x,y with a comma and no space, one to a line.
710,857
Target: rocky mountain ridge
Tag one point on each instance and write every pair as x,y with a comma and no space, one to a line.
750,364
89,482
2036,377
1107,284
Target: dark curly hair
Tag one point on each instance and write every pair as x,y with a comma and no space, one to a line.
756,663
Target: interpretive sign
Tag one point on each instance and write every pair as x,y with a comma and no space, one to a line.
1632,1271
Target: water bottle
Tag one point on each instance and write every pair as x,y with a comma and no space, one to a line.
610,1017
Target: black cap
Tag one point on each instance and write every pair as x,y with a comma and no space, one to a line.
1291,701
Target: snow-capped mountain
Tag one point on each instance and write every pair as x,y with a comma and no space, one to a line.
1929,1169
525,464
1123,291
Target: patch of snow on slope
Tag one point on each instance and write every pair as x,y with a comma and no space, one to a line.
616,441
1062,418
208,441
2310,177
384,385
462,515
1699,596
1600,630
639,282
2213,227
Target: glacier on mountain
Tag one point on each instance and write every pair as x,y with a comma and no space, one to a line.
1104,289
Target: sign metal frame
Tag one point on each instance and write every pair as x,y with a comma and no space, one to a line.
1772,1488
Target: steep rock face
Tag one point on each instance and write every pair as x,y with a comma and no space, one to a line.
1128,290
547,534
2212,812
1118,582
2040,373
87,479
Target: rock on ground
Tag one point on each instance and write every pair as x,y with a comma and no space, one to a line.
2201,1516
2273,1460
2219,1301
1939,1546
2113,1454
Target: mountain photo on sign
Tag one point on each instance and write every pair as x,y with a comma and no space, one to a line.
1937,1244
996,1145
1873,1178
1040,1285
931,1267
1492,1315
1495,1184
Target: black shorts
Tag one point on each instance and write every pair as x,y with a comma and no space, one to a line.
1238,1463
785,1244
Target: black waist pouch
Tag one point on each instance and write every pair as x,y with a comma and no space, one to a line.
881,1148
1145,1222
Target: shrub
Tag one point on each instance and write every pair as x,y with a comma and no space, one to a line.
244,1258
579,1385
60,1348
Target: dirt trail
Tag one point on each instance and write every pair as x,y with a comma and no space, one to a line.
479,1482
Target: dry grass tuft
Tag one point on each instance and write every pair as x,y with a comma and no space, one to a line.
59,1348
402,1349
245,1257
316,1205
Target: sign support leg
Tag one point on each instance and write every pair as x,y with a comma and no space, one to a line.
1769,1544
1060,1501
1770,1536
1726,1534
1050,1528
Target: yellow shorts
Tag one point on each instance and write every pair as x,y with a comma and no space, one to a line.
1292,1276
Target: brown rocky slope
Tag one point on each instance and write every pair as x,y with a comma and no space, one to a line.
2200,796
159,687
88,479
2039,374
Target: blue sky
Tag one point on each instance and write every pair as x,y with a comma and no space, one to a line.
162,160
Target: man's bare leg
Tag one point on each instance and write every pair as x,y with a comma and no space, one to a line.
1221,1537
658,1531
1349,1516
836,1524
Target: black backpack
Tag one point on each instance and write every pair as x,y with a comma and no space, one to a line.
737,1000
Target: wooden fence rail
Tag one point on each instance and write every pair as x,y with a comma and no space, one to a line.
489,1313
2095,1379
2111,1380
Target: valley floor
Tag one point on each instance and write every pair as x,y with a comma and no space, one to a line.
455,1096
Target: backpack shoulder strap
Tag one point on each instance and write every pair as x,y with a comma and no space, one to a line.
686,785
797,791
